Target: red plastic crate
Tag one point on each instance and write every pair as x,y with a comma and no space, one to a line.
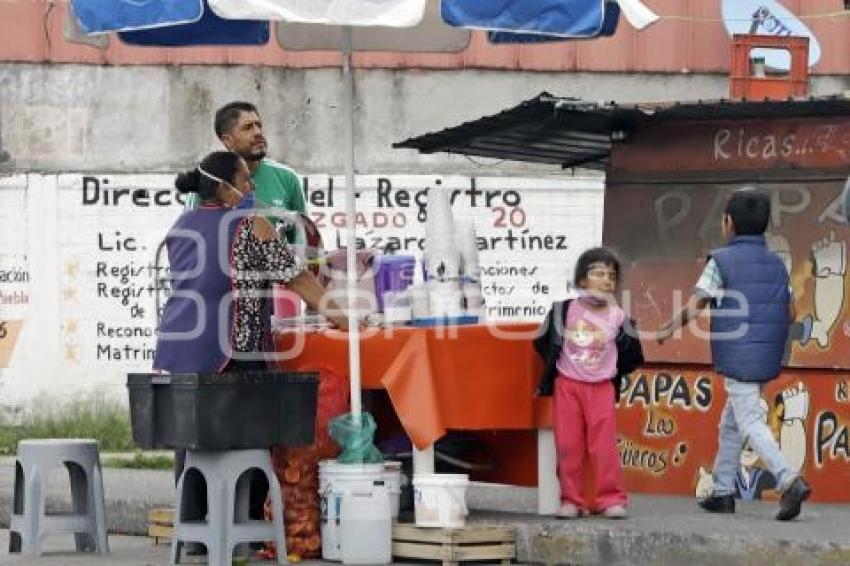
776,87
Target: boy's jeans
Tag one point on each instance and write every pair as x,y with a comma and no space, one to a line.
741,421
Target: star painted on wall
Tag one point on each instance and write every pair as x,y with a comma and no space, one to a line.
71,352
71,326
71,268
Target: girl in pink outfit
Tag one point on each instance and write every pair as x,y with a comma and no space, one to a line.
580,348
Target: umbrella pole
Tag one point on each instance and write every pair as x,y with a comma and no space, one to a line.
350,211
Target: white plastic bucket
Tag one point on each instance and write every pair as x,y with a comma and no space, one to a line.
393,479
366,526
336,481
439,500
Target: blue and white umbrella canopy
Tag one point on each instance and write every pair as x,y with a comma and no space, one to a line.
210,29
232,22
610,22
101,16
545,20
384,13
577,18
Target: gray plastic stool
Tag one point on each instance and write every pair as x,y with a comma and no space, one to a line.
228,489
87,520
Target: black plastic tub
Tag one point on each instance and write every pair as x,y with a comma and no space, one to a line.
228,411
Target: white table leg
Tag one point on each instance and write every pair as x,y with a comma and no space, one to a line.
423,461
548,488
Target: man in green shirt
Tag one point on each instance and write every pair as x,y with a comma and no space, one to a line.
240,129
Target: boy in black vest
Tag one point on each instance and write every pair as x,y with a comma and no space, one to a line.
746,286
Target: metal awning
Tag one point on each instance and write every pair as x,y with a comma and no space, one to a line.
536,130
570,132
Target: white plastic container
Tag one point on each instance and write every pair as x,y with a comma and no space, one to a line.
336,481
366,526
392,478
397,306
419,304
439,500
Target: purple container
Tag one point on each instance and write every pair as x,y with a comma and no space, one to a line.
394,273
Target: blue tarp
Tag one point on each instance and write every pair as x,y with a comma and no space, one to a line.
609,28
97,16
209,30
563,18
167,23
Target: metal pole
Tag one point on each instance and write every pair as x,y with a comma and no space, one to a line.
350,211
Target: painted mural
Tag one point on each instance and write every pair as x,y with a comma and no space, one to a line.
663,210
666,192
668,432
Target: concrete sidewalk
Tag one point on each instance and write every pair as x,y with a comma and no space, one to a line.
124,551
659,531
673,531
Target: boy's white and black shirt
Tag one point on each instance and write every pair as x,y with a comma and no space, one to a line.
710,283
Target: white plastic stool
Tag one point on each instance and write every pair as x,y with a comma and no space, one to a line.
228,487
87,520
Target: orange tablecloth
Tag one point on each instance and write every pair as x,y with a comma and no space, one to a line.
476,377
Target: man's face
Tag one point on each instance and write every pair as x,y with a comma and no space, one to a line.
245,138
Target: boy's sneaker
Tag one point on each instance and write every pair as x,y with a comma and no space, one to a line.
615,512
792,499
568,511
718,503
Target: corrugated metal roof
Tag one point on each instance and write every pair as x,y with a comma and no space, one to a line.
532,131
570,132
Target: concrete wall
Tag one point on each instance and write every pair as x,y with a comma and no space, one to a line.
60,118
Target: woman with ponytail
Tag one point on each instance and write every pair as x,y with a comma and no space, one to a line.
224,259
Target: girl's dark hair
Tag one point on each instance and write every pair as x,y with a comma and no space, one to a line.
591,256
221,164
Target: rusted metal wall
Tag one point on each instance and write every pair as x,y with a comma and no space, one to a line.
690,38
666,191
667,187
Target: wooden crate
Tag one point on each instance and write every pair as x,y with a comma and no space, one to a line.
160,523
453,546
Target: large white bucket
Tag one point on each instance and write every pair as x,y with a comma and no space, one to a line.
439,500
335,482
393,479
366,526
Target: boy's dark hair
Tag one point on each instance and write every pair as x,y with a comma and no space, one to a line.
227,115
591,256
749,209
